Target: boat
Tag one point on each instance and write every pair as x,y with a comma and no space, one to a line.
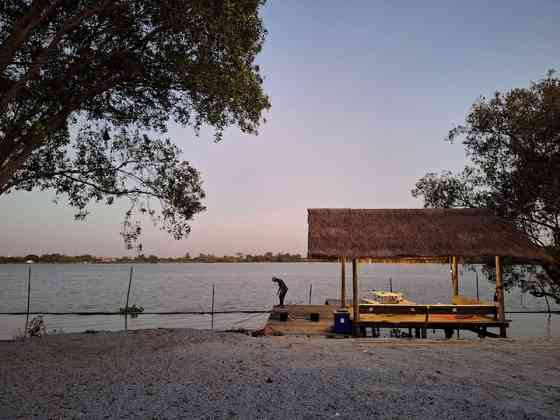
382,297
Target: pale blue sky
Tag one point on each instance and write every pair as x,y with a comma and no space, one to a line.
363,93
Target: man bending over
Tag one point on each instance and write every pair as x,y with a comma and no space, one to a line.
282,289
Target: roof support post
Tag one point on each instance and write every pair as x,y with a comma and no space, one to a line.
356,300
343,282
500,290
455,276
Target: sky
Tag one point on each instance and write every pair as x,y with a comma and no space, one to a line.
363,94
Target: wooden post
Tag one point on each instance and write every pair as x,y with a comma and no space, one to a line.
213,293
28,300
500,292
127,297
356,300
455,276
343,282
477,293
500,289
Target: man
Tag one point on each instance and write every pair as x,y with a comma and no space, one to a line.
282,289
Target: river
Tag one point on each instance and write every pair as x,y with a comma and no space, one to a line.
241,286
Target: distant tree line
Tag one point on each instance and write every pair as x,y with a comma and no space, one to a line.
201,258
239,257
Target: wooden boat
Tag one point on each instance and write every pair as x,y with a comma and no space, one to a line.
382,297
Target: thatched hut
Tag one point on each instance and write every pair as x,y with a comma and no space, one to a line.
418,235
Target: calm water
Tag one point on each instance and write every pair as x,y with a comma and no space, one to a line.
188,287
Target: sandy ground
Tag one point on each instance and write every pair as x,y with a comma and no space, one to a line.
200,374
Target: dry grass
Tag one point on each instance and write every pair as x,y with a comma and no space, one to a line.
416,234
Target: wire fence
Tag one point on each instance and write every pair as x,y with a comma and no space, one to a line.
229,318
131,311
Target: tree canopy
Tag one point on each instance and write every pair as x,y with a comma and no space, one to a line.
513,143
87,88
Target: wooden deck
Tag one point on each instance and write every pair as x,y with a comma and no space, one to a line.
299,320
473,317
420,320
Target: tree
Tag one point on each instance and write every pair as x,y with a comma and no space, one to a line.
513,142
87,88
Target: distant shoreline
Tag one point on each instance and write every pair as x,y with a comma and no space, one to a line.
164,262
239,257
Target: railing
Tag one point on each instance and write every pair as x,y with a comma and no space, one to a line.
427,310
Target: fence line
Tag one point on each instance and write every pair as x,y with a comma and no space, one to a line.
143,313
203,312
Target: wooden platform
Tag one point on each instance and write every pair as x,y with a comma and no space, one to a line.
396,319
299,322
474,317
299,319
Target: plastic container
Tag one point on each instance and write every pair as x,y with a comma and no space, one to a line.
342,322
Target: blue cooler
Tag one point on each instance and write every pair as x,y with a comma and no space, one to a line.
342,323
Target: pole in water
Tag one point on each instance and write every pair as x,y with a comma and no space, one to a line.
127,297
390,284
213,293
28,299
310,291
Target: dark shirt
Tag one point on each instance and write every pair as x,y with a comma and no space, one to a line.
282,288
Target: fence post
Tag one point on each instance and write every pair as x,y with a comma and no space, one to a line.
213,293
310,291
28,299
127,297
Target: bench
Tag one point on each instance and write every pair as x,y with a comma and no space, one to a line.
466,300
427,310
447,317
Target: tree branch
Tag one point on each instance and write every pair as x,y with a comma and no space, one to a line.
112,192
23,28
41,59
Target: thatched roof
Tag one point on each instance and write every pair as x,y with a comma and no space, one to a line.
416,234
